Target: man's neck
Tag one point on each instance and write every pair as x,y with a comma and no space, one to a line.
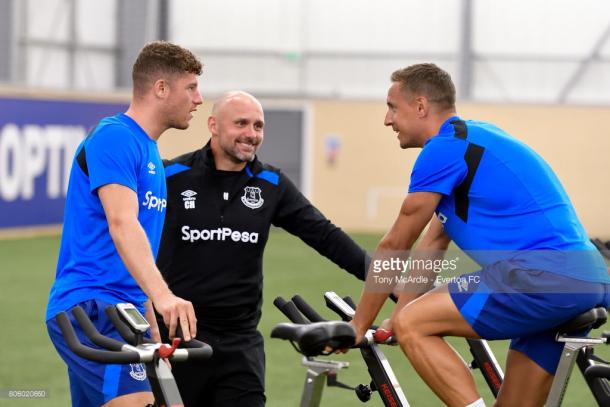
146,120
435,123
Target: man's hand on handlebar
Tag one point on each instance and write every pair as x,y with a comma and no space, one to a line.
360,332
384,331
175,309
382,334
155,335
386,324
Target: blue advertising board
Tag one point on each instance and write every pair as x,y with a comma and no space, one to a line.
38,138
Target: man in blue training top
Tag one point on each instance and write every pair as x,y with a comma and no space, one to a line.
113,220
502,204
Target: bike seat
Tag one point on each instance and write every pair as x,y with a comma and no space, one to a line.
312,339
594,318
598,370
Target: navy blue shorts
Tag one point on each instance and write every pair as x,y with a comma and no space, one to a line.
526,306
92,383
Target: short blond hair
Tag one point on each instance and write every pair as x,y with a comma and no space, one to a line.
427,80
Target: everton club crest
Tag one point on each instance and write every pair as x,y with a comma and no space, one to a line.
137,371
252,197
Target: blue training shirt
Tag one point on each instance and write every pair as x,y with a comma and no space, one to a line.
118,151
502,201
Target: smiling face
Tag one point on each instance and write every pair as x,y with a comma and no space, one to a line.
404,115
236,124
182,100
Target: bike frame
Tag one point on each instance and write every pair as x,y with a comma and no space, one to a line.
577,350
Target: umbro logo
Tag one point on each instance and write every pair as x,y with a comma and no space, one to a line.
151,168
189,199
442,218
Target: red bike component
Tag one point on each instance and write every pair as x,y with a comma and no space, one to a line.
381,335
165,351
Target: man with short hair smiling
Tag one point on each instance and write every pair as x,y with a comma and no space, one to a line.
113,220
502,204
221,203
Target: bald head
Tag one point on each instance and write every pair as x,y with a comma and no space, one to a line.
232,98
236,125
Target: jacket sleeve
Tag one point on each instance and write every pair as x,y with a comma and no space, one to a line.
299,217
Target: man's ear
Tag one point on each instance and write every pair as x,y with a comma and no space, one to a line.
212,125
421,106
161,88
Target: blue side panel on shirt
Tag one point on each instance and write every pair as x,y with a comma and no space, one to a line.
516,203
269,176
112,374
175,169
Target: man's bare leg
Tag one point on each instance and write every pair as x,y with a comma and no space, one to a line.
419,328
139,399
526,384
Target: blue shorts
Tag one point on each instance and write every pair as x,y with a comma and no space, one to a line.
500,302
92,383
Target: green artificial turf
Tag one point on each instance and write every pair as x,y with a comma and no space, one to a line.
29,361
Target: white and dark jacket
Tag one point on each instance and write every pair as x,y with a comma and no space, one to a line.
216,228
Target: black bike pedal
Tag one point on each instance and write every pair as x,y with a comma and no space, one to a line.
363,392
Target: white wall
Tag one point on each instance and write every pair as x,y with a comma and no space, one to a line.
341,48
524,50
560,31
45,30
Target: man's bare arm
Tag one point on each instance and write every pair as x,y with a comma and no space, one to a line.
431,247
415,213
149,314
121,207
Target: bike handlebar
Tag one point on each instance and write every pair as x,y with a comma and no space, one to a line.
113,355
290,311
338,304
306,309
297,309
117,352
123,330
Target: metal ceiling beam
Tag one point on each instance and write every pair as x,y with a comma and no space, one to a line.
6,39
465,53
584,65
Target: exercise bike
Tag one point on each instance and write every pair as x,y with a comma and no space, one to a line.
132,326
311,335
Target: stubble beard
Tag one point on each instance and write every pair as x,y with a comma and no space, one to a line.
238,157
